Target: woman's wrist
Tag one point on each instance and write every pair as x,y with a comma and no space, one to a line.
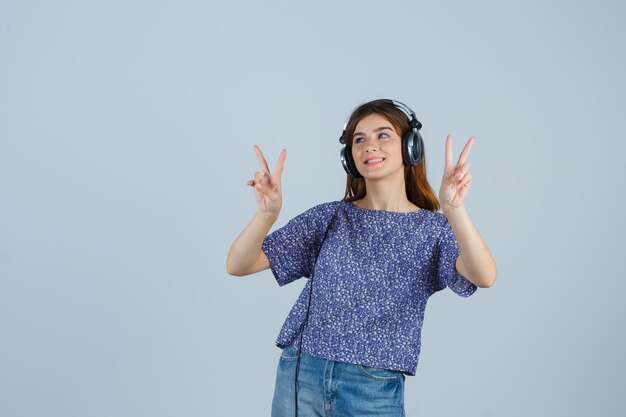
453,211
267,216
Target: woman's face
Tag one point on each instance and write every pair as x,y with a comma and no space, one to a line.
377,148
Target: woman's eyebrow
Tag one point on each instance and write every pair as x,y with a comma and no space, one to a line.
375,130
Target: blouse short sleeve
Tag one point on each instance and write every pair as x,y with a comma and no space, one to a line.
292,249
447,253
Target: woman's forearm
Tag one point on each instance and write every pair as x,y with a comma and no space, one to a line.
246,249
477,261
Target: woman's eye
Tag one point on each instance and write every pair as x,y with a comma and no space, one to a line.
359,140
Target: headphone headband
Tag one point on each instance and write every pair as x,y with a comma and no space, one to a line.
410,114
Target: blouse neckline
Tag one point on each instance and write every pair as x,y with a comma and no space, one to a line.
383,212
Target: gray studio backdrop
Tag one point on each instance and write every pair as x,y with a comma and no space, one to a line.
126,134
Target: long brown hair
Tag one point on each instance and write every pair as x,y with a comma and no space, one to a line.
418,190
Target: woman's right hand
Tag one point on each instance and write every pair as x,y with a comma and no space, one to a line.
266,185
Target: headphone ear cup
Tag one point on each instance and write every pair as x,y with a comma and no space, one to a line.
412,146
348,162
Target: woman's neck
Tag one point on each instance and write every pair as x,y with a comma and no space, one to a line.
386,195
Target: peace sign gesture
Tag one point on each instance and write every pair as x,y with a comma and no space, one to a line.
456,180
266,185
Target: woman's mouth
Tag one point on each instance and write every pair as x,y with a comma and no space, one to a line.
372,162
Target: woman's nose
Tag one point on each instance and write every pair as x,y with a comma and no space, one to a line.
371,146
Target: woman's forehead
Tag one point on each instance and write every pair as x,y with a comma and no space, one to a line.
373,121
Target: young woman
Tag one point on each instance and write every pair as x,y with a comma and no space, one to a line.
374,258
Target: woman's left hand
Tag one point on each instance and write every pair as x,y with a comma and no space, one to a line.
456,180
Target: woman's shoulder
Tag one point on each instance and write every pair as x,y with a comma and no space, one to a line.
437,218
439,225
435,215
328,205
321,210
324,209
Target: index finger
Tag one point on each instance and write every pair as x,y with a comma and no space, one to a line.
262,160
466,149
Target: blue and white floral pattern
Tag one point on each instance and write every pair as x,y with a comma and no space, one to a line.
375,272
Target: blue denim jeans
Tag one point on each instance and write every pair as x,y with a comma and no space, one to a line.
335,389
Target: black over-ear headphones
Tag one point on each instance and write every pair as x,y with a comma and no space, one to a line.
412,143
